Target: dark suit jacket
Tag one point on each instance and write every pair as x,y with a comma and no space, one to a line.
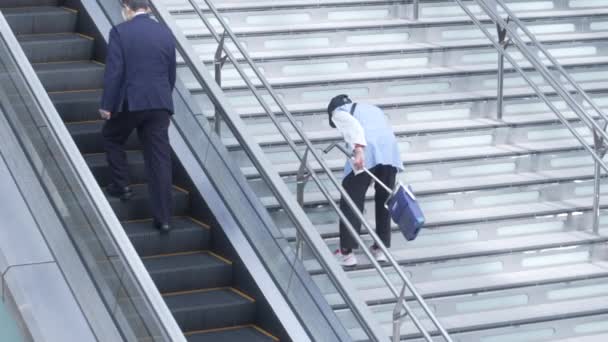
140,67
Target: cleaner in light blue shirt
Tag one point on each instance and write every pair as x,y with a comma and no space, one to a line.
369,135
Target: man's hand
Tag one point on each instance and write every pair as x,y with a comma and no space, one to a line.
359,158
105,114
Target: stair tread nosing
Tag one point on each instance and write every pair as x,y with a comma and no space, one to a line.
242,333
40,20
138,207
57,77
186,235
189,271
210,308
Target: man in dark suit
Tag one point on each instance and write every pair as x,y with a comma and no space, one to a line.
138,84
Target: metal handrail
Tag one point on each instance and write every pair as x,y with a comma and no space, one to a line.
599,133
310,150
56,126
540,66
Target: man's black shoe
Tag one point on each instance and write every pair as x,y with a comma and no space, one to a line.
163,227
123,193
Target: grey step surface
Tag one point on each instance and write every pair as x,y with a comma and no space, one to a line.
77,106
408,92
27,3
56,77
481,206
40,20
187,235
138,206
210,309
477,274
189,271
57,48
288,21
425,149
88,136
99,166
522,306
406,38
482,239
581,329
392,66
245,333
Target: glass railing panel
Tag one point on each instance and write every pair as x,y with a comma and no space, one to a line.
9,330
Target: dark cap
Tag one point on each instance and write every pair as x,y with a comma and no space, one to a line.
336,102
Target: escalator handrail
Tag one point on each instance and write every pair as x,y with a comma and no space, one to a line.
90,186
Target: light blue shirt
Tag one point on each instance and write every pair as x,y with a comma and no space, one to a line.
381,144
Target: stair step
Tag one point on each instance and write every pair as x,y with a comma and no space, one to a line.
189,271
27,3
59,77
319,20
243,333
101,170
186,235
88,137
211,309
61,47
138,207
407,37
41,20
496,318
373,290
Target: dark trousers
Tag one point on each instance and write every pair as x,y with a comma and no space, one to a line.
153,131
356,187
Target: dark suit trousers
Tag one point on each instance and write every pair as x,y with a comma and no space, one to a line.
153,131
356,187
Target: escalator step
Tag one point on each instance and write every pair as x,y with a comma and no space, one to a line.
211,309
189,271
138,207
88,137
186,235
27,3
77,106
40,20
244,333
61,47
100,168
59,77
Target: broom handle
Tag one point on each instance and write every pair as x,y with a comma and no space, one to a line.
389,190
349,156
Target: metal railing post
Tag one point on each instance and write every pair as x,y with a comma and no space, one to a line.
398,316
416,9
504,42
301,181
218,62
600,150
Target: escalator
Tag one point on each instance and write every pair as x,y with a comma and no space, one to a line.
197,271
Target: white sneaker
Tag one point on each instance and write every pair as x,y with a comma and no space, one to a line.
346,260
378,254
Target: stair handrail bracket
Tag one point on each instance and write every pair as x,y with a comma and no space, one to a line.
513,32
312,163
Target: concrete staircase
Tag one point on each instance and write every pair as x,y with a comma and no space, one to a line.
508,253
